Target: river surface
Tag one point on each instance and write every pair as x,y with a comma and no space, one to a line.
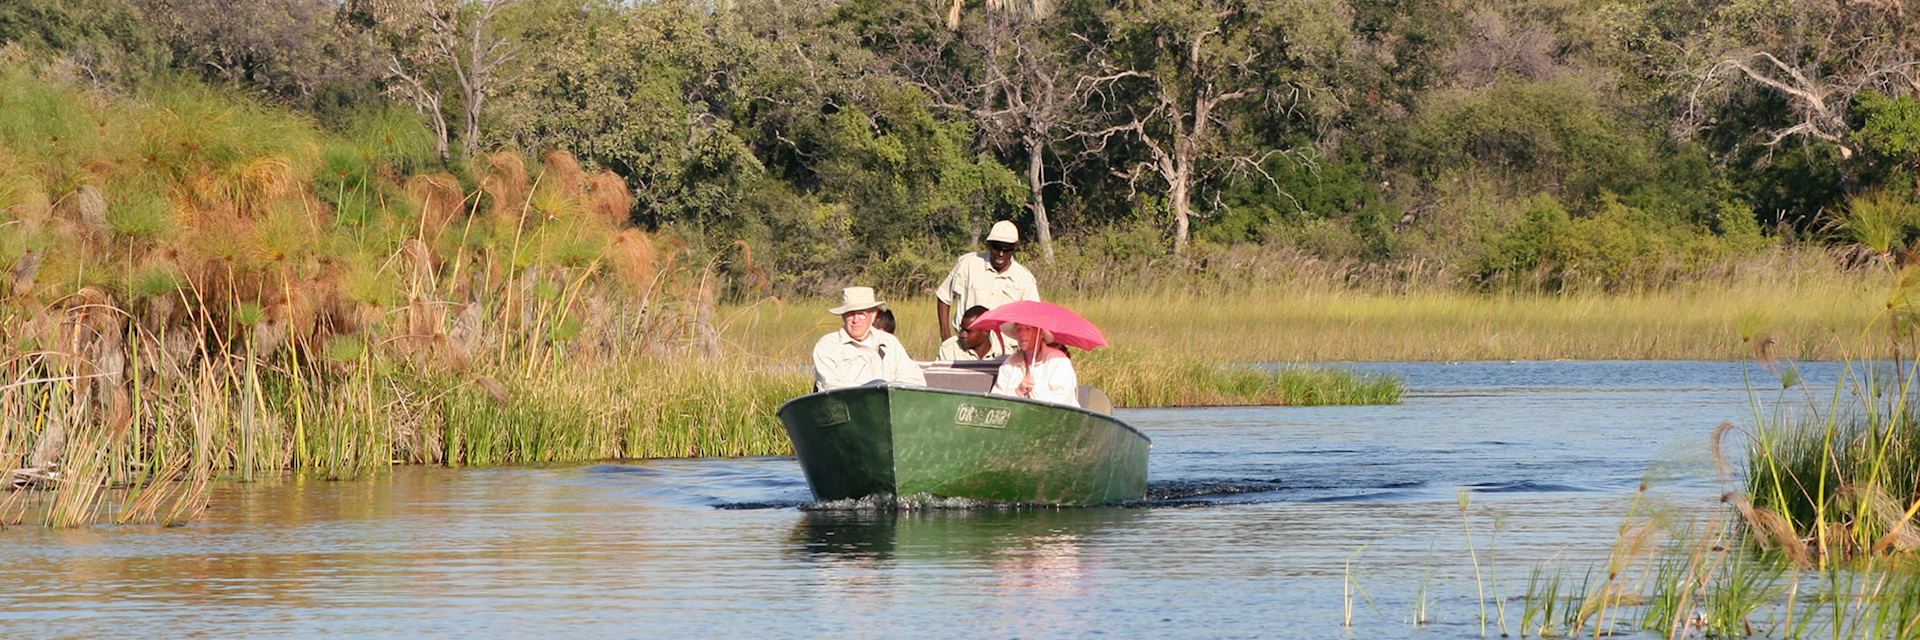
1261,521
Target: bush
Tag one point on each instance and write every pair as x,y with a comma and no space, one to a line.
106,39
1554,137
1526,256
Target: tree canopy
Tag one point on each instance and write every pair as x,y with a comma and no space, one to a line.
1538,144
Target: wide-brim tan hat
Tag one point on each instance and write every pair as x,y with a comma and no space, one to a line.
856,299
1004,231
1015,330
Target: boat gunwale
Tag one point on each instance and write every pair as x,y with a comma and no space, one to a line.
890,386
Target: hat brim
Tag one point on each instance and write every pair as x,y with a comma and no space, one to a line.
843,309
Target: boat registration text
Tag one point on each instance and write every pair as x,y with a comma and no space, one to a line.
989,417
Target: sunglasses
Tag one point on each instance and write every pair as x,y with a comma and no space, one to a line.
1002,246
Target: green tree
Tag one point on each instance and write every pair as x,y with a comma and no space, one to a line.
1180,73
642,91
107,41
296,50
1011,76
447,58
1890,128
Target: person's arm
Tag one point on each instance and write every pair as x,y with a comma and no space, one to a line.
1006,380
900,366
820,369
944,312
1066,384
944,295
1032,287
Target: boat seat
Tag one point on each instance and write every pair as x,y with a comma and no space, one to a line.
970,377
1095,400
977,377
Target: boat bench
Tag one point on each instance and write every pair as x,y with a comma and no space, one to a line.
977,377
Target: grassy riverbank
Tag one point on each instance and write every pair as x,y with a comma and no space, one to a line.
1794,303
199,286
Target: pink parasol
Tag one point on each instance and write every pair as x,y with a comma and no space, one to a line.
1068,328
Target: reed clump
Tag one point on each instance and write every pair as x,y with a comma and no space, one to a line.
237,293
1818,540
1842,481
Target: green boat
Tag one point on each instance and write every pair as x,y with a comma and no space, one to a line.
952,440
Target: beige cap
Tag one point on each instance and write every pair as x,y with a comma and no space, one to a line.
856,299
1004,231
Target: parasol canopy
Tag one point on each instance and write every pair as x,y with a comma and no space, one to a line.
1067,327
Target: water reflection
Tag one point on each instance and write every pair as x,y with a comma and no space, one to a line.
1021,569
987,535
1256,520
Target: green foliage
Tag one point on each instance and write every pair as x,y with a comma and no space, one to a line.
1883,221
1332,208
1844,476
907,175
1620,246
358,171
803,144
156,280
1799,187
647,112
1536,243
1891,126
1554,137
570,246
249,313
311,53
343,349
48,130
1193,381
140,212
909,269
196,131
107,39
346,181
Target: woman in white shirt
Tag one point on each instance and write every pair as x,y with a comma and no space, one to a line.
1038,370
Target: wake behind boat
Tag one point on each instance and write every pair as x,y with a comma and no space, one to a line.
953,440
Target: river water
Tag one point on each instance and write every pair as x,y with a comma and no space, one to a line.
1261,521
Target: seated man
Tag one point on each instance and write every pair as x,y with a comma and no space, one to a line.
859,354
971,343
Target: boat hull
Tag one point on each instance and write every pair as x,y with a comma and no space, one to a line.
902,441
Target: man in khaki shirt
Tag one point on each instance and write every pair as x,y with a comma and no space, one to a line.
987,279
973,343
857,353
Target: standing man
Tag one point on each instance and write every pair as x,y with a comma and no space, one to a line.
859,354
987,279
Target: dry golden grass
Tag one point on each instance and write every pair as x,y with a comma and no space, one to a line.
1810,319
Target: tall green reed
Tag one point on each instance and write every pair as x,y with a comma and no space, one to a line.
287,299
